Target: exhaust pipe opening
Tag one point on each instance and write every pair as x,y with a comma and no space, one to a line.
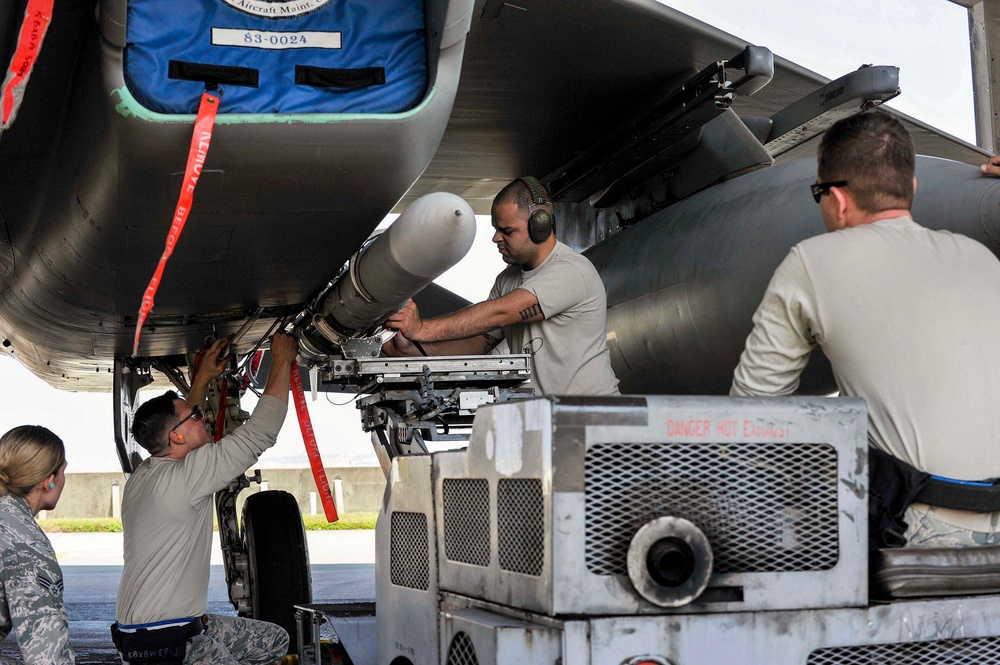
670,562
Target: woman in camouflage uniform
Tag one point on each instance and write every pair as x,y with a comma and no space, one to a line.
32,475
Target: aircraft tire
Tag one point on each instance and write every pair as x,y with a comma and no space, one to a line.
275,540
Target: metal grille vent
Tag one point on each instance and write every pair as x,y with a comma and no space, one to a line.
467,520
408,556
765,507
521,525
462,651
938,652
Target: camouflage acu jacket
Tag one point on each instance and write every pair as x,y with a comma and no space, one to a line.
31,596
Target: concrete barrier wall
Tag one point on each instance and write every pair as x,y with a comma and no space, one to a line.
93,494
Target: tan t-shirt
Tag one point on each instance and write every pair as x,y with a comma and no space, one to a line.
910,320
167,512
569,346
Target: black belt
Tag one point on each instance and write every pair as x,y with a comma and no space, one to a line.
974,496
894,485
156,645
981,496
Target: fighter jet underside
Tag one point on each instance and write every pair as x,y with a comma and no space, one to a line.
92,176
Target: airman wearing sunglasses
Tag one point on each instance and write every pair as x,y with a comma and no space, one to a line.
909,319
167,512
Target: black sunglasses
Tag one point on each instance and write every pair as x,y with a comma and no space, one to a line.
821,188
196,415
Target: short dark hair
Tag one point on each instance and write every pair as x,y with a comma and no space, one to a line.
153,420
518,193
874,153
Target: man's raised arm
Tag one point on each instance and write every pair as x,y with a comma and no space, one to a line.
283,351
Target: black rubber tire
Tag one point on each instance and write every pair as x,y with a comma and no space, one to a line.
279,559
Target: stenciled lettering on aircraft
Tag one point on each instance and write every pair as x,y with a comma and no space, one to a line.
277,8
832,95
275,39
705,428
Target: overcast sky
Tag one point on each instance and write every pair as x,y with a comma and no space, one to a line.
927,39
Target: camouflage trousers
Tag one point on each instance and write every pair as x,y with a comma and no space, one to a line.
230,640
236,641
925,531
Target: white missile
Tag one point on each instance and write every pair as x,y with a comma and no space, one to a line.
431,236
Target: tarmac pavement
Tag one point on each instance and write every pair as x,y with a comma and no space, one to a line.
342,564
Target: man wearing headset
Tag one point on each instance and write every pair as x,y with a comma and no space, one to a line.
549,302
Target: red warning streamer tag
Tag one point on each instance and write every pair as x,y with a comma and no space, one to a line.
312,449
200,142
37,17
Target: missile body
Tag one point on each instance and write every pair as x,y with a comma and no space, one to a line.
683,284
431,236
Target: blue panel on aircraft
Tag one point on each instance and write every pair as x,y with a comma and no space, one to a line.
278,56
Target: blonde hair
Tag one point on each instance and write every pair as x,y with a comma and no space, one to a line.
28,455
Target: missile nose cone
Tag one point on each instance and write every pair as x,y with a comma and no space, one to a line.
433,234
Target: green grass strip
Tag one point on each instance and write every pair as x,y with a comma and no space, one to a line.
90,525
346,521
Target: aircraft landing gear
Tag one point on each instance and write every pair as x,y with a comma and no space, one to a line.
267,560
129,378
278,559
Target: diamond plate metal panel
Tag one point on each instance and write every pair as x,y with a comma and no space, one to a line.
938,652
467,520
521,525
765,507
778,485
408,556
462,651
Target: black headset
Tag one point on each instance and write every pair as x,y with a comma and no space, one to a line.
541,223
